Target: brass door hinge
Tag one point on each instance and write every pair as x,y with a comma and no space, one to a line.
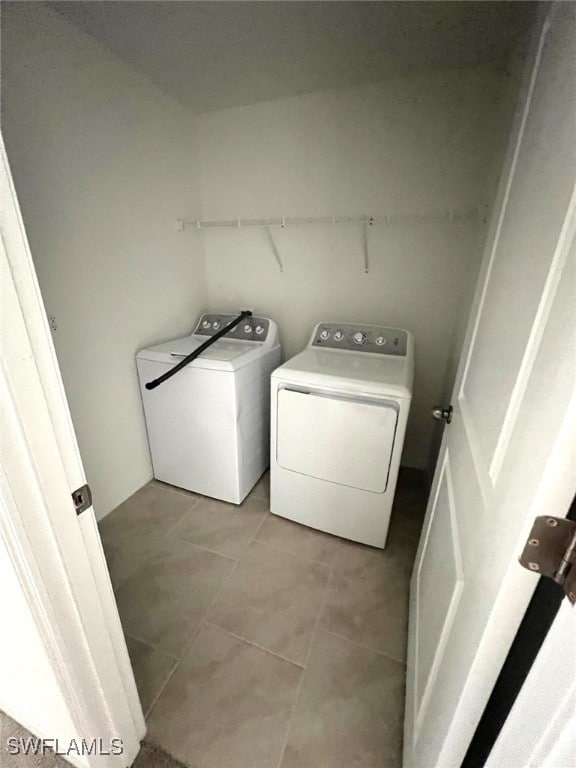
551,551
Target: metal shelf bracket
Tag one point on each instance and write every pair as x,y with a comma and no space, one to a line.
275,249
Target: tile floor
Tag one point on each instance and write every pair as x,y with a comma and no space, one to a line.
257,642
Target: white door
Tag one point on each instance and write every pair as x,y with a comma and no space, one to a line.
509,453
540,731
55,554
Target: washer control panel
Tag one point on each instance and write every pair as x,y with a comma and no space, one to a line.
250,329
361,338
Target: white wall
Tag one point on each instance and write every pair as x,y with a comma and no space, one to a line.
411,145
103,164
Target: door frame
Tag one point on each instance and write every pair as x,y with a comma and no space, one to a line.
57,555
544,714
531,636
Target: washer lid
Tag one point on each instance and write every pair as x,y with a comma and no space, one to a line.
223,355
356,372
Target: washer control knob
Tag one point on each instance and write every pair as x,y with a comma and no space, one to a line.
359,338
259,330
338,336
380,340
324,335
205,323
247,328
216,324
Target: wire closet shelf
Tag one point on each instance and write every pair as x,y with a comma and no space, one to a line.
365,221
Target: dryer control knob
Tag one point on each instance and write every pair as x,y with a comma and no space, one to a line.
338,336
216,324
247,328
324,335
359,338
259,330
206,324
380,340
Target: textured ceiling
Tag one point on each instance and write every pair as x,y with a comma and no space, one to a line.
210,55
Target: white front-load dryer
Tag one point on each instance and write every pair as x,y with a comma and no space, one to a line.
209,425
338,418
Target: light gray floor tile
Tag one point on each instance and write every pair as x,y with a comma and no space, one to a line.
223,528
125,553
369,588
163,599
227,705
369,604
154,504
131,533
152,668
299,539
407,519
349,711
262,488
273,599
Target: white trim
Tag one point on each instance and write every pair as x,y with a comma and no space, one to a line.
518,584
420,708
559,258
494,240
501,205
39,604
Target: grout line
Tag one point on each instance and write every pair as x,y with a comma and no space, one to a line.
116,587
193,636
151,645
231,572
202,619
146,558
204,549
161,690
236,558
252,643
193,506
301,681
366,647
166,486
294,554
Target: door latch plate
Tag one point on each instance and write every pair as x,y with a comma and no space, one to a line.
551,551
82,498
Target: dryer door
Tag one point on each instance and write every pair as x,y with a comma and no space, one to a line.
343,440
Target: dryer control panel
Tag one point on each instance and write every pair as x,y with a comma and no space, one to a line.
250,329
361,338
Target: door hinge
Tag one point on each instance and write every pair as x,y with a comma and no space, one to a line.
440,413
82,498
551,551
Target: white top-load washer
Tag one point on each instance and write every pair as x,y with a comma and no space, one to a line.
339,412
209,425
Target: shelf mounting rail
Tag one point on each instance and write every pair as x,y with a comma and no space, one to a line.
365,221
